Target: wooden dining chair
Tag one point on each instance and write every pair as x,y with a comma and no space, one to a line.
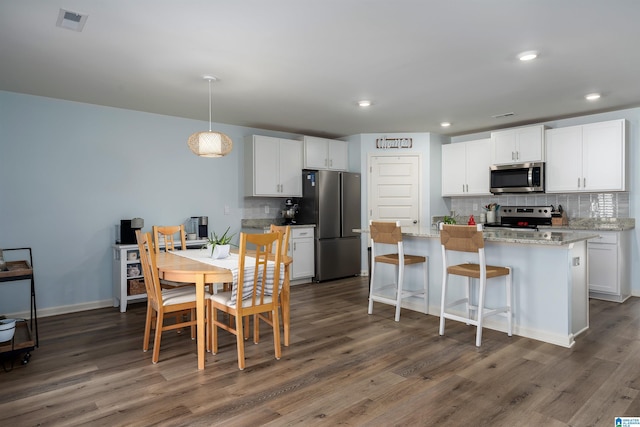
470,239
255,294
170,235
285,230
161,302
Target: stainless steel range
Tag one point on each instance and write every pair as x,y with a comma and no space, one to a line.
524,217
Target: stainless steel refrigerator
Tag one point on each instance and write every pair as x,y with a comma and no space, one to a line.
331,201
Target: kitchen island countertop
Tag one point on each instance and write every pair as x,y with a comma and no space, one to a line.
542,237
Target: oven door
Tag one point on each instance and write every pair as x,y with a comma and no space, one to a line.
518,178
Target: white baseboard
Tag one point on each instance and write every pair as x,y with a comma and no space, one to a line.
63,309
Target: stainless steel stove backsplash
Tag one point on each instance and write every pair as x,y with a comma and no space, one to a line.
583,205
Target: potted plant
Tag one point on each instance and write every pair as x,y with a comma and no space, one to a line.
220,245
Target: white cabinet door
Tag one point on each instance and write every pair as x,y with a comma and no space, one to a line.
530,144
465,168
564,159
589,157
266,166
603,156
273,167
338,155
519,145
302,252
503,147
454,176
322,153
603,268
478,162
315,153
290,158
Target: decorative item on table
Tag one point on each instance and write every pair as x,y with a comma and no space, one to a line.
472,221
220,245
7,329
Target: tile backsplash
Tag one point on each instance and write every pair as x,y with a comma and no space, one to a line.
577,205
262,207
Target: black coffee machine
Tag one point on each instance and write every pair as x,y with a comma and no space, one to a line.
290,211
128,229
203,227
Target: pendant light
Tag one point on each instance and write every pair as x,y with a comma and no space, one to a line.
210,144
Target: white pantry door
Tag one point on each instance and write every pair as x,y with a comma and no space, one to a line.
394,189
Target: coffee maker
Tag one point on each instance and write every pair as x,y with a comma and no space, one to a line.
290,211
203,227
128,229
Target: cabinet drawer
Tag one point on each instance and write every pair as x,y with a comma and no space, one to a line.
298,233
606,238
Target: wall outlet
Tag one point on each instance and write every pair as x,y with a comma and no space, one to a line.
227,211
266,209
475,207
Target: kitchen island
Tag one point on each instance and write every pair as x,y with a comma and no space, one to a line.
550,290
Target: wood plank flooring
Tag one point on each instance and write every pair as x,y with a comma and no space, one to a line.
343,367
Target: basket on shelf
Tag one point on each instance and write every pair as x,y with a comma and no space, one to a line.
136,287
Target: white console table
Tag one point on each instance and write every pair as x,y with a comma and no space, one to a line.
125,256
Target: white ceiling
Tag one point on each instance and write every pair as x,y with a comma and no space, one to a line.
300,65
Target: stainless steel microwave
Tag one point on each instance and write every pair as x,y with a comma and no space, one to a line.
517,178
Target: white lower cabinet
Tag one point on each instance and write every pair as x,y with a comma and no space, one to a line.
301,249
127,278
609,266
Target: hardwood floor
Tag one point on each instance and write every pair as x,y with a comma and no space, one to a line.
343,367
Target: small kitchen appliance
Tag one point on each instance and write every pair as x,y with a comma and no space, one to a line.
519,217
203,227
289,212
517,178
128,229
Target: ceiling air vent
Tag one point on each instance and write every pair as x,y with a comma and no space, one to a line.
499,116
71,20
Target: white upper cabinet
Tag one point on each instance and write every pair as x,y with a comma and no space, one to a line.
520,145
273,167
322,153
589,157
465,168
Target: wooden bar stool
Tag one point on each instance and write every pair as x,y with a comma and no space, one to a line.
390,233
463,238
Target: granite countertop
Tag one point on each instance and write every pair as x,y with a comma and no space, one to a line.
543,237
264,223
599,224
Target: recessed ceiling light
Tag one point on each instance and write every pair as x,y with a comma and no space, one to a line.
592,96
445,124
528,55
364,103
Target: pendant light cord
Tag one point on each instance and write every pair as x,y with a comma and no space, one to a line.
209,105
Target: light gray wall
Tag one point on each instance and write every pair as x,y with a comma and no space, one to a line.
69,172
